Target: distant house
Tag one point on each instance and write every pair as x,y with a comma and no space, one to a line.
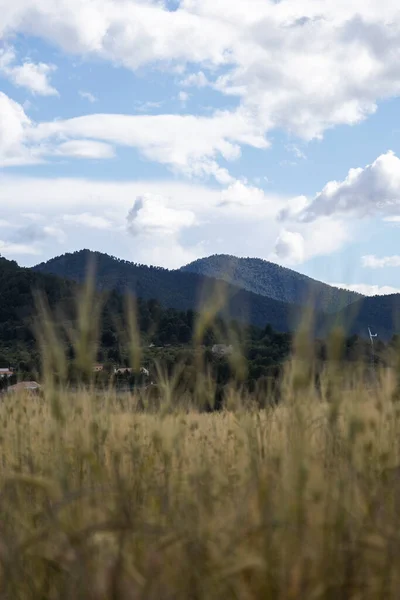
222,350
98,368
123,370
6,372
25,386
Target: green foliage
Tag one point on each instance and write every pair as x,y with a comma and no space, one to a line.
17,309
271,280
264,293
173,289
381,313
169,332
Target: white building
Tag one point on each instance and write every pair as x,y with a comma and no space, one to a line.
24,386
123,370
222,349
6,372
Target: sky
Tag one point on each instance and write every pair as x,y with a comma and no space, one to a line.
162,131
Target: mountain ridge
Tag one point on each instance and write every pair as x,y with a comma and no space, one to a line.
273,281
173,288
181,290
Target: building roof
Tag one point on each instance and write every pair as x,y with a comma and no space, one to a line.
24,386
221,347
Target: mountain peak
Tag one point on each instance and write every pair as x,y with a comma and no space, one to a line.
274,281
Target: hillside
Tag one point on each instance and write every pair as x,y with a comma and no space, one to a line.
162,326
173,289
271,280
18,313
166,333
17,305
380,313
183,290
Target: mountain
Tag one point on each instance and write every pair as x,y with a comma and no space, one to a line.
18,314
18,317
271,280
17,304
175,289
166,333
380,313
184,290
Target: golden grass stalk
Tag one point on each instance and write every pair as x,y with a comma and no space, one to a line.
294,501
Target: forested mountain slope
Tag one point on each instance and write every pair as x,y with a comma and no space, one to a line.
175,289
271,280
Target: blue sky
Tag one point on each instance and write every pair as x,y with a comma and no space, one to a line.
162,132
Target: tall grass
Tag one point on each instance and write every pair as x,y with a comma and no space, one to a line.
100,500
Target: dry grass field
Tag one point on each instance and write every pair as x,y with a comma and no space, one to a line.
300,500
297,501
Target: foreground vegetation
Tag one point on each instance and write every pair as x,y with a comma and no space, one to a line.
290,492
167,336
301,500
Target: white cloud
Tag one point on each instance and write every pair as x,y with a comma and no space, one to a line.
170,227
56,233
367,289
88,96
170,220
34,233
290,247
14,124
158,225
183,98
53,196
88,220
392,219
171,254
372,190
302,65
18,145
33,76
373,262
318,239
145,107
196,80
29,240
188,218
240,195
31,216
10,249
151,215
294,149
85,149
186,143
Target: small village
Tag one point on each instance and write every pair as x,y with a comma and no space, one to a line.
9,383
9,374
